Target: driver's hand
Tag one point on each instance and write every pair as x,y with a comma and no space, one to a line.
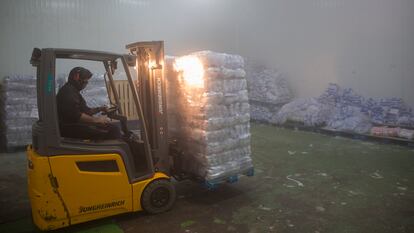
102,120
103,109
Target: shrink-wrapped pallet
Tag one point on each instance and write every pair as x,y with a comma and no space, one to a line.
18,110
209,113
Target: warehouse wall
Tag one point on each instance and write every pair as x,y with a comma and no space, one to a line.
364,44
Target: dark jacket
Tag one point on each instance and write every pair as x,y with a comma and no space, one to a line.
70,104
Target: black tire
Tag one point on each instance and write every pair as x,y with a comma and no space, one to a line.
159,196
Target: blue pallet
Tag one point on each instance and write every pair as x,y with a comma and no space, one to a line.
250,172
213,184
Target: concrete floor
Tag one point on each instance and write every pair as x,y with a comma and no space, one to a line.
304,182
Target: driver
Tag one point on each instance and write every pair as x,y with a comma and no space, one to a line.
76,119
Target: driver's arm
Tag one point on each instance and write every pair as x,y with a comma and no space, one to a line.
85,118
93,111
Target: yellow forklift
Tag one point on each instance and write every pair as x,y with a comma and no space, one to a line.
71,181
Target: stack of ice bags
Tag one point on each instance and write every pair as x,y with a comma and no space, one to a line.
382,111
350,119
308,111
18,110
18,104
210,120
268,90
345,110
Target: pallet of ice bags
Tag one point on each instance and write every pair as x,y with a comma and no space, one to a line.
18,110
207,95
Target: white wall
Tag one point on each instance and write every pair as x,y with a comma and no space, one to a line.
364,44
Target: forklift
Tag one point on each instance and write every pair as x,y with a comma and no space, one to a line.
71,181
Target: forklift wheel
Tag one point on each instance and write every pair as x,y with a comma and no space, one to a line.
159,196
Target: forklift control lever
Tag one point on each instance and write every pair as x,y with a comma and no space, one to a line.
111,111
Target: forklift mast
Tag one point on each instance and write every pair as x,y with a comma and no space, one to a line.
151,91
